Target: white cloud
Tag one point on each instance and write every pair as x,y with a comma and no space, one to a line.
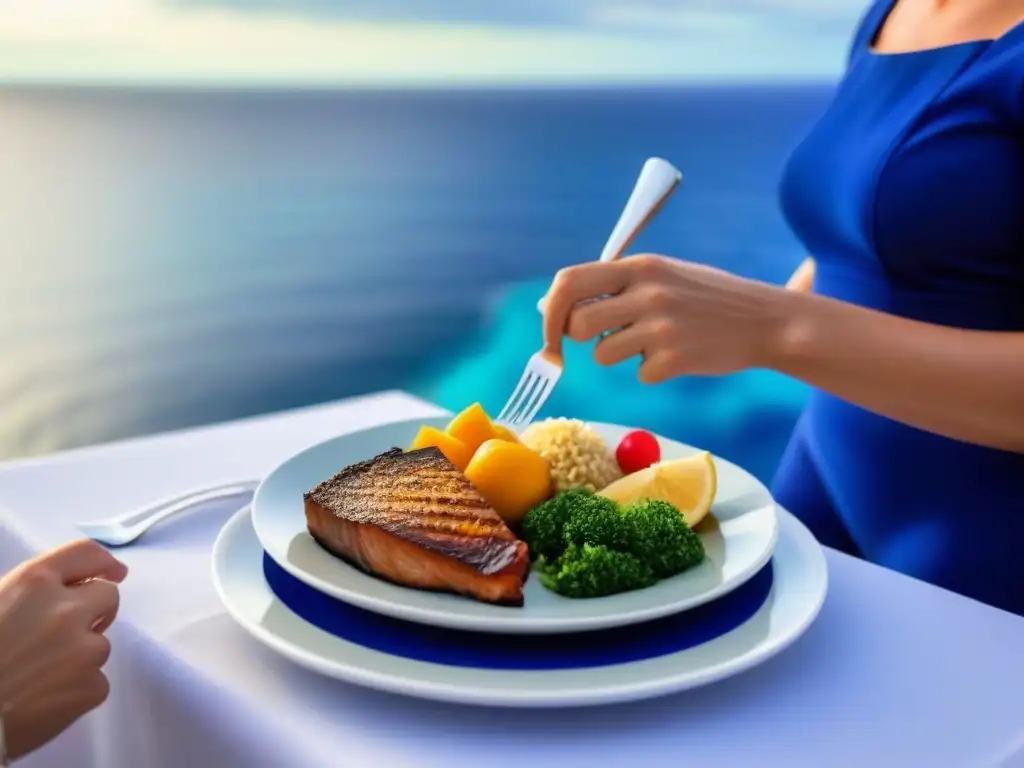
768,17
627,16
147,40
542,12
845,9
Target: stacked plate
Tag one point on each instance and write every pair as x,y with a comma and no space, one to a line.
761,585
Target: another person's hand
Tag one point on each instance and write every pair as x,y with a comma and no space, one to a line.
54,610
680,317
802,279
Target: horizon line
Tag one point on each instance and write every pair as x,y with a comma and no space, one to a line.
285,84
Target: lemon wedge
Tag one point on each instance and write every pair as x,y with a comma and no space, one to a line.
687,484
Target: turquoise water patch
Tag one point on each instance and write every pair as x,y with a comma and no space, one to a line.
745,417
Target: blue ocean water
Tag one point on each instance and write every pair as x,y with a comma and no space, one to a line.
173,258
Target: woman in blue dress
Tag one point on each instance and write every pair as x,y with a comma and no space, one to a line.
909,193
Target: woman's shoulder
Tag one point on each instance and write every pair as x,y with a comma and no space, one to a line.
998,73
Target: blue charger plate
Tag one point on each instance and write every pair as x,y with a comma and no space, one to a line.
420,642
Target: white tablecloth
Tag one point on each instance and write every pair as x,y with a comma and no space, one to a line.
893,673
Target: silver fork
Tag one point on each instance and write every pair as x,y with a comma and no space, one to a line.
658,179
124,529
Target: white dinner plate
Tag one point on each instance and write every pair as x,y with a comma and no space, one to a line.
796,587
738,540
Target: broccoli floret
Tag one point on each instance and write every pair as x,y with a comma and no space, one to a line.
659,536
594,571
585,545
599,522
543,528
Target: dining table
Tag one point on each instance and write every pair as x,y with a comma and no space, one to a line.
893,671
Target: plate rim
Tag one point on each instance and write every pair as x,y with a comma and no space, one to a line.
512,624
782,637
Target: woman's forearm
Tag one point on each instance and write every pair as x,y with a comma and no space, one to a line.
967,385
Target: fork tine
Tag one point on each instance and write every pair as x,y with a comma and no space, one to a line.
510,404
543,391
507,412
539,378
528,398
527,395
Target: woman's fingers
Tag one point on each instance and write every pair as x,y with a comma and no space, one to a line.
102,624
591,320
95,651
32,721
100,601
622,345
95,690
79,657
82,560
573,285
53,614
659,366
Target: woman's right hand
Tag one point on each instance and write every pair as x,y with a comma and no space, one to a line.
802,279
54,610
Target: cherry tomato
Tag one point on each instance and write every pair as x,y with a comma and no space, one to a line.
637,450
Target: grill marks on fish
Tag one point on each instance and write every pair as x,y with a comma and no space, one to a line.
413,518
418,494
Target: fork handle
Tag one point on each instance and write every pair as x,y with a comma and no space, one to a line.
658,179
160,510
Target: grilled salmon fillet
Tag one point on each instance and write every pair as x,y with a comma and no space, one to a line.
413,518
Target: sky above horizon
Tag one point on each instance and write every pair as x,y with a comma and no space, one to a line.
422,42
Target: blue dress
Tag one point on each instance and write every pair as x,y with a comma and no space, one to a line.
909,192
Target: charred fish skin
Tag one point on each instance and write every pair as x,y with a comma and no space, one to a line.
511,598
429,518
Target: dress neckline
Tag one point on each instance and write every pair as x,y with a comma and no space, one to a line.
888,6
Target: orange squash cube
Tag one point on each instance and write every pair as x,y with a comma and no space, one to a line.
504,433
453,449
511,477
472,427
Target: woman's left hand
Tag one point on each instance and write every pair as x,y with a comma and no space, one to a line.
680,317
